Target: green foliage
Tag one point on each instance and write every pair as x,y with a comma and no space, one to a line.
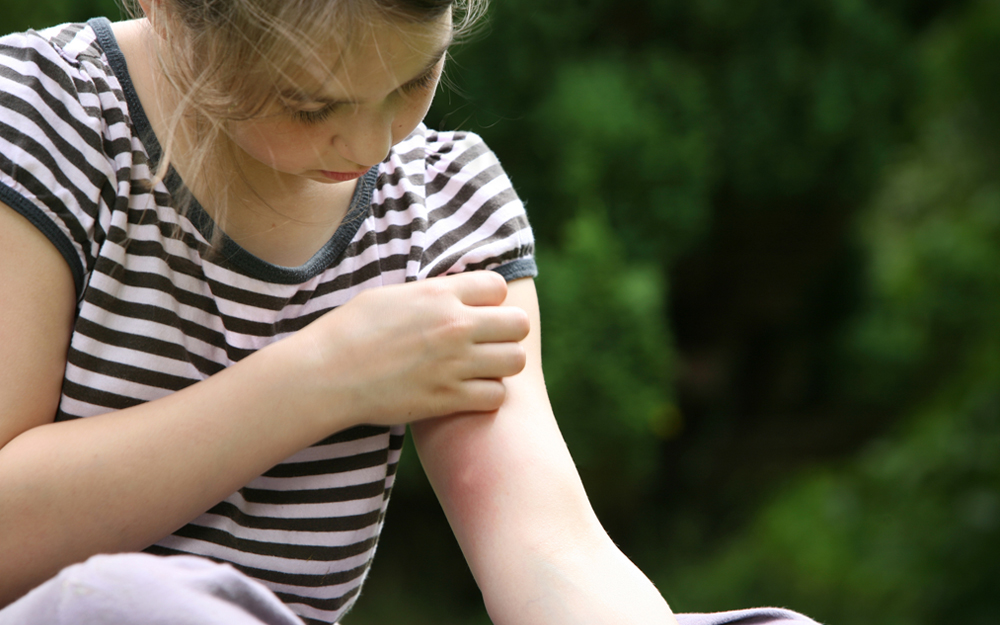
965,61
608,370
630,135
808,94
934,234
907,531
633,134
905,534
24,14
651,138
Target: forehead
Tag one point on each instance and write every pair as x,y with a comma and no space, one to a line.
377,53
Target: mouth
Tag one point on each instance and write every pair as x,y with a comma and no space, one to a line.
342,176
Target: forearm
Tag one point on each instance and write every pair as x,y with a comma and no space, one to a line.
594,585
540,556
519,510
123,480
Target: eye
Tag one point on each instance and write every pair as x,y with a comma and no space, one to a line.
315,116
423,82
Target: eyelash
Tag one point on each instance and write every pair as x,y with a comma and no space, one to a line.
315,117
416,85
421,82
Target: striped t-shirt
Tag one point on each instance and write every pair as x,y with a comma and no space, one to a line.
158,309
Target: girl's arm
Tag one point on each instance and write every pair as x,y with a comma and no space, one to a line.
516,504
123,480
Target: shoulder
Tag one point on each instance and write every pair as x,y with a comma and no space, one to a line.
63,62
65,135
462,207
448,160
58,92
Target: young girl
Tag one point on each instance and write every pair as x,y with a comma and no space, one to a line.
196,210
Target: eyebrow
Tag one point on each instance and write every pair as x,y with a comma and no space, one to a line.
302,96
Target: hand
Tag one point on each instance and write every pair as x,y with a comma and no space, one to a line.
421,349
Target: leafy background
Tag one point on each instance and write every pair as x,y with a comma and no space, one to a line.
769,241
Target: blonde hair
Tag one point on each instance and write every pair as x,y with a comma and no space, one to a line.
226,56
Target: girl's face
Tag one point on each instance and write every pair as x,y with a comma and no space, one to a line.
332,124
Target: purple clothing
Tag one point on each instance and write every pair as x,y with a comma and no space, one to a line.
141,589
754,616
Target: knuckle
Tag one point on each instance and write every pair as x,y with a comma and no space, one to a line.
499,283
456,325
493,277
444,400
490,282
436,288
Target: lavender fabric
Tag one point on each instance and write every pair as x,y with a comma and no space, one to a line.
141,589
755,616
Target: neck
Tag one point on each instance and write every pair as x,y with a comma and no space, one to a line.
281,219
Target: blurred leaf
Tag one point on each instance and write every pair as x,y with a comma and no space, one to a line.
607,359
21,15
631,135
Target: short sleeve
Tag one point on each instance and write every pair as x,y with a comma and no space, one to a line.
54,167
475,219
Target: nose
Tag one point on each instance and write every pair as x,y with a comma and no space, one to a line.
365,138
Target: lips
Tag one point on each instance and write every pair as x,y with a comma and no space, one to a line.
342,176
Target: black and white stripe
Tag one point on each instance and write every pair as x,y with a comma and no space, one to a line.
159,310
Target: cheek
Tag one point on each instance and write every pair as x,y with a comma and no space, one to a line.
275,145
408,118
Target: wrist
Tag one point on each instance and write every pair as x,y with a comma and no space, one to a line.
299,372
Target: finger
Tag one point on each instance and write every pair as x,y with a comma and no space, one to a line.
478,288
494,360
498,324
480,395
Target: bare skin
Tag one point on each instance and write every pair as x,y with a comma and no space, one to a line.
457,346
515,501
128,478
